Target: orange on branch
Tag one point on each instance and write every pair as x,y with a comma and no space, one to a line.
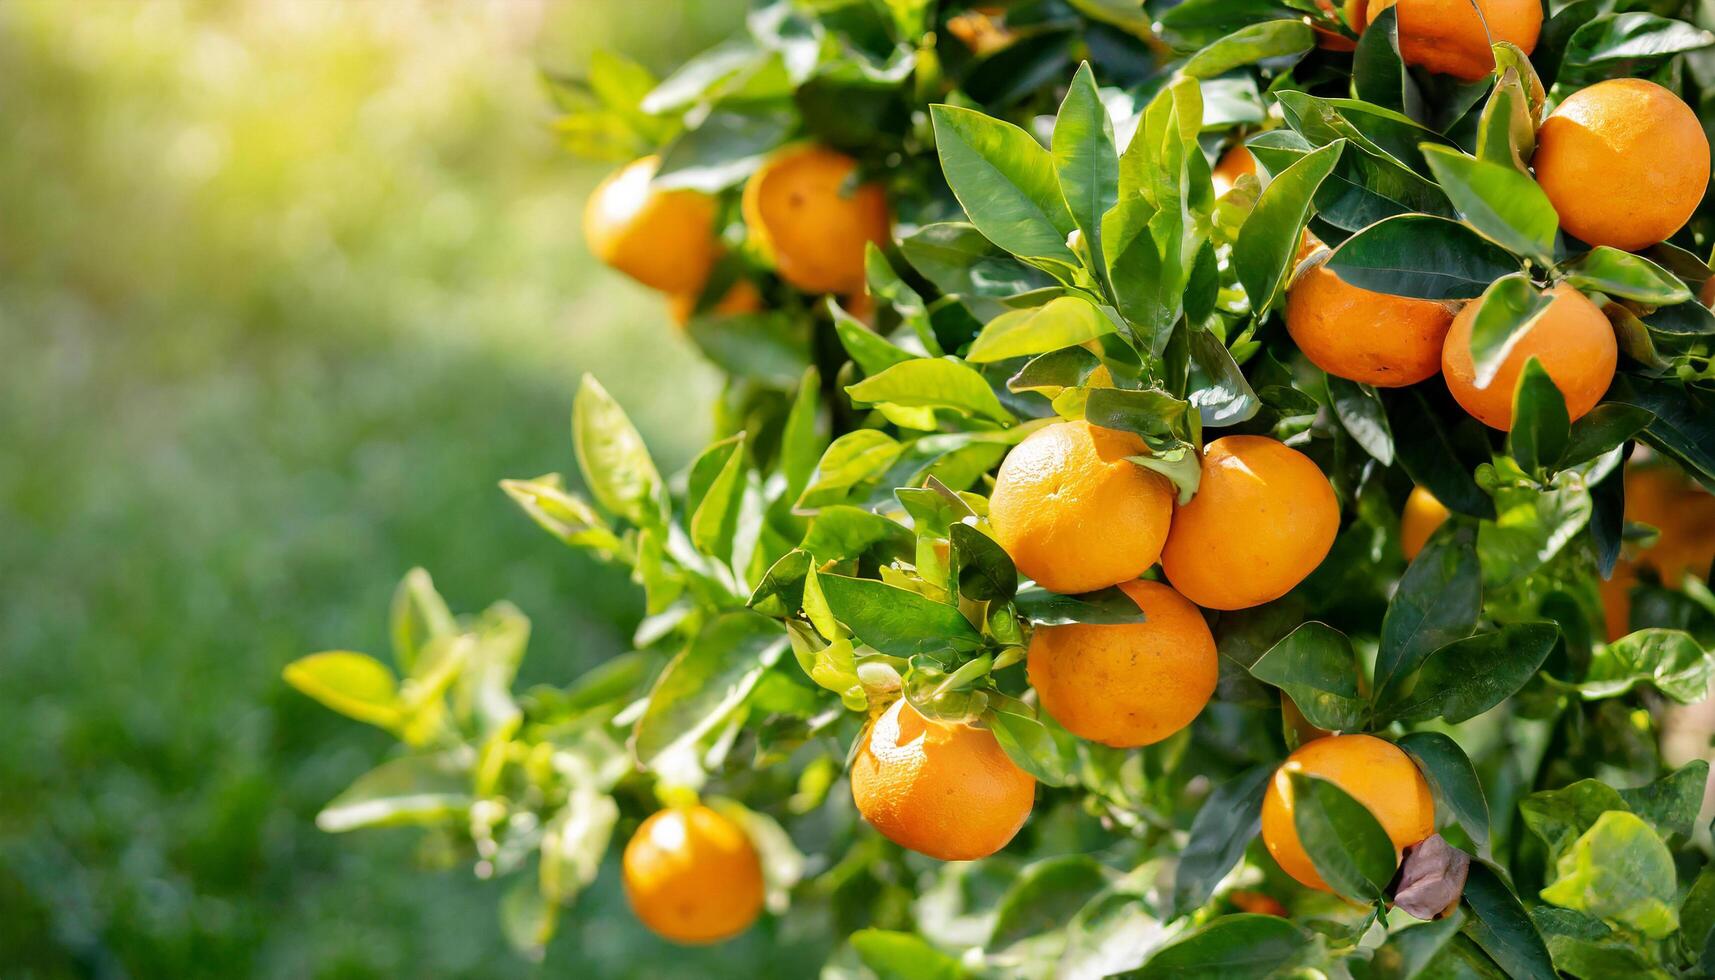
1074,513
1421,516
693,876
802,212
1263,518
664,239
1372,338
1372,771
1571,338
1234,163
1132,684
943,789
1451,37
741,297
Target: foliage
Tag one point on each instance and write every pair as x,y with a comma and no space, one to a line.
1061,252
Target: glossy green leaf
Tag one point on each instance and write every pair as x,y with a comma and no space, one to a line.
1541,428
1105,607
1348,847
616,464
1317,667
1045,896
1421,256
1225,824
1508,307
1619,871
1468,677
1669,660
854,458
1064,322
903,956
414,790
1232,947
1601,430
979,566
1430,450
1270,236
1086,159
1437,602
897,621
1361,413
1672,803
1506,134
1248,45
1502,927
932,382
705,682
1006,182
1498,200
1454,781
1617,273
354,684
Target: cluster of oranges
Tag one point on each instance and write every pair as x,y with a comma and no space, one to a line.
799,214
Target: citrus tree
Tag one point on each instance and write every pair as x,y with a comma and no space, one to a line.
1201,489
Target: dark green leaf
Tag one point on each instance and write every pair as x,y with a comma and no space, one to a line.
1360,411
1317,667
1438,601
1671,804
959,260
1541,428
1454,781
897,621
1107,607
1429,449
1601,431
1227,821
1500,925
1468,677
1349,848
979,566
1269,239
1232,947
1498,200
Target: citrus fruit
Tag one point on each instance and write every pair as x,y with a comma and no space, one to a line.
1130,684
1074,513
1374,772
1256,903
664,239
1263,518
1234,163
1625,163
1572,339
1450,37
801,212
944,789
1421,516
741,297
1371,338
693,876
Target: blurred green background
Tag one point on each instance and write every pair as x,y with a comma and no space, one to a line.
286,286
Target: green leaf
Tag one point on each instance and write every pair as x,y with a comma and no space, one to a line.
1086,160
1672,803
1045,896
801,443
1670,660
704,683
1232,947
1105,607
1498,200
1063,322
1149,412
354,684
1225,824
1438,601
1031,744
1216,387
842,532
1454,780
1348,847
1617,273
1378,74
1262,256
574,841
1430,450
714,518
769,346
1582,946
415,790
867,348
897,621
724,149
1541,428
1561,816
1508,307
1500,925
1506,133
854,458
616,464
903,956
781,591
1248,45
1413,951
959,260
932,382
419,617
1468,677
1051,373
1317,667
1360,411
1621,872
1602,430
1005,180
1420,256
980,567
1627,44
566,516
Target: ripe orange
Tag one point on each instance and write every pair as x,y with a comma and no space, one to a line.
942,789
1234,163
1374,772
1421,516
1074,513
692,876
1264,517
1449,37
1256,903
1572,339
1624,161
1659,495
1127,685
663,239
742,297
1372,338
800,211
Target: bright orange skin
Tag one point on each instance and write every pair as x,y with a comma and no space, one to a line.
1256,903
1662,497
1128,685
1625,163
798,211
1572,339
741,298
663,239
1074,513
693,876
1616,595
1448,37
1373,338
1374,772
1421,516
1264,517
1234,163
945,790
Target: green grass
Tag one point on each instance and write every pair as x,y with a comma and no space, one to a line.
285,288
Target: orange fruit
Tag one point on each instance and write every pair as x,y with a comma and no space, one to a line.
663,239
1664,498
1132,684
1264,517
693,876
1449,37
742,297
942,789
1234,163
1256,903
1374,772
1372,338
1616,595
801,212
1572,339
1625,163
1421,516
1074,513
